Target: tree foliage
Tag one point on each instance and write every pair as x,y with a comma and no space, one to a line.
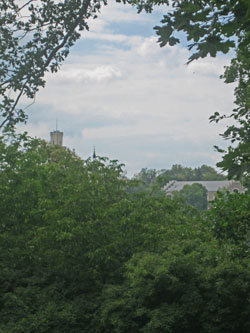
179,291
194,195
178,172
230,218
149,181
237,158
67,228
80,252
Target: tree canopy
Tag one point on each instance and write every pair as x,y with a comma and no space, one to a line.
195,195
81,252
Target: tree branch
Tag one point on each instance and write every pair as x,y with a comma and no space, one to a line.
14,106
69,33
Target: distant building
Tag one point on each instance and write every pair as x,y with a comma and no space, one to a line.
56,138
211,186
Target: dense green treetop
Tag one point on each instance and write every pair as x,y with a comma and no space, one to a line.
229,216
195,195
204,172
67,228
81,252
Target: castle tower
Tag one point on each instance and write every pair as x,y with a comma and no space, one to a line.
56,138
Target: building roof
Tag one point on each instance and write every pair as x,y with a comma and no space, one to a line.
211,186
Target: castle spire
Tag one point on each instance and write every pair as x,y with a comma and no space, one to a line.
94,154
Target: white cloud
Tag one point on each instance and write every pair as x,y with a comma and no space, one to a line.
104,36
99,73
39,130
119,13
148,47
207,67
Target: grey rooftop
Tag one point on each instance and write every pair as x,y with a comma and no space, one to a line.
211,186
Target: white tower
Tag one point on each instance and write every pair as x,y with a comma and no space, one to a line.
56,138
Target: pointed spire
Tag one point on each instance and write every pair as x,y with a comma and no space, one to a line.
94,154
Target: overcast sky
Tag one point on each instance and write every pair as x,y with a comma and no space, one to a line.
132,100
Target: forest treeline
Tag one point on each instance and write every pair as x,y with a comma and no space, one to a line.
180,173
83,251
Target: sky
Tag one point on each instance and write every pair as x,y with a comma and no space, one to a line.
133,101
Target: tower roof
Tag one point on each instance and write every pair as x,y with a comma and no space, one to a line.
211,186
